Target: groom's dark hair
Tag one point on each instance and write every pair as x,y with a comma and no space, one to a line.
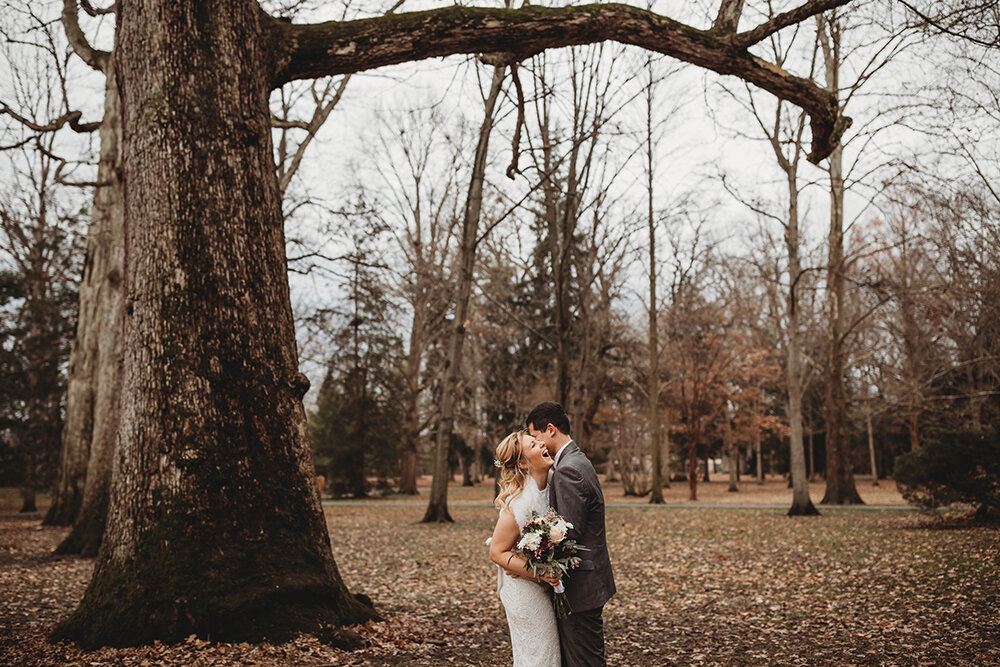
547,413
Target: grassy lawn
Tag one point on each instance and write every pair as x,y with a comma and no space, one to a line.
697,585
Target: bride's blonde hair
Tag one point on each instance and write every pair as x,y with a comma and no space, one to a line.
513,475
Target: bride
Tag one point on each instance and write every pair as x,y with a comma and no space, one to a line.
524,466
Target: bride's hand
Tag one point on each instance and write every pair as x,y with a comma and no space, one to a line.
550,579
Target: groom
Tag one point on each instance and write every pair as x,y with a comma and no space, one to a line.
576,495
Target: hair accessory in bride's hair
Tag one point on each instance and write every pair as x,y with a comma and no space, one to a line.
497,463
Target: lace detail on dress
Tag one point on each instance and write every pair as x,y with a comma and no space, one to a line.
534,637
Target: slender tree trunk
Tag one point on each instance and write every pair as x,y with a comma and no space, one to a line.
466,470
102,328
758,450
913,426
812,461
355,475
28,502
871,445
215,526
655,438
666,450
408,476
437,507
801,502
411,414
610,475
694,436
693,463
731,456
840,486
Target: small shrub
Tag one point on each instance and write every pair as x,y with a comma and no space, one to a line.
953,467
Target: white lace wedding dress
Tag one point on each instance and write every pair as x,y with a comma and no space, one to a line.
533,633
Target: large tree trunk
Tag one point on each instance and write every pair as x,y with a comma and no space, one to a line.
102,329
437,506
215,526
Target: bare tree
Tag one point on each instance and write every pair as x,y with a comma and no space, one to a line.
582,227
416,192
841,318
212,448
437,506
784,132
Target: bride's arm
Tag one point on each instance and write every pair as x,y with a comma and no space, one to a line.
504,538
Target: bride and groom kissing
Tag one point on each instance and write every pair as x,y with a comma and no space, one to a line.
541,468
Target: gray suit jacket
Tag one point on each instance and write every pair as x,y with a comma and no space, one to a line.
576,495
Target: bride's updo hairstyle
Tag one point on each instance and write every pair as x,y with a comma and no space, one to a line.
513,474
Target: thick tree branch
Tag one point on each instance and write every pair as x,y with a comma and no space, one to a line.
96,58
343,47
784,20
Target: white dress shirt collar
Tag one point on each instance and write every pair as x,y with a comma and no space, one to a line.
559,454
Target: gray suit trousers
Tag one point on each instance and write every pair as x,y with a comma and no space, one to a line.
581,638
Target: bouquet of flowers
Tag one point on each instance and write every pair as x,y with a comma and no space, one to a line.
544,546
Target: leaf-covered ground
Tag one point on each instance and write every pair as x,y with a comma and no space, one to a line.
698,585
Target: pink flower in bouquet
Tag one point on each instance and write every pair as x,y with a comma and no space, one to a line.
557,535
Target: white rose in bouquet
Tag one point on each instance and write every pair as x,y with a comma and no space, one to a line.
530,541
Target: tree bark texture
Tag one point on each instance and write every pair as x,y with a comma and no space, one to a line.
437,505
100,328
215,526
